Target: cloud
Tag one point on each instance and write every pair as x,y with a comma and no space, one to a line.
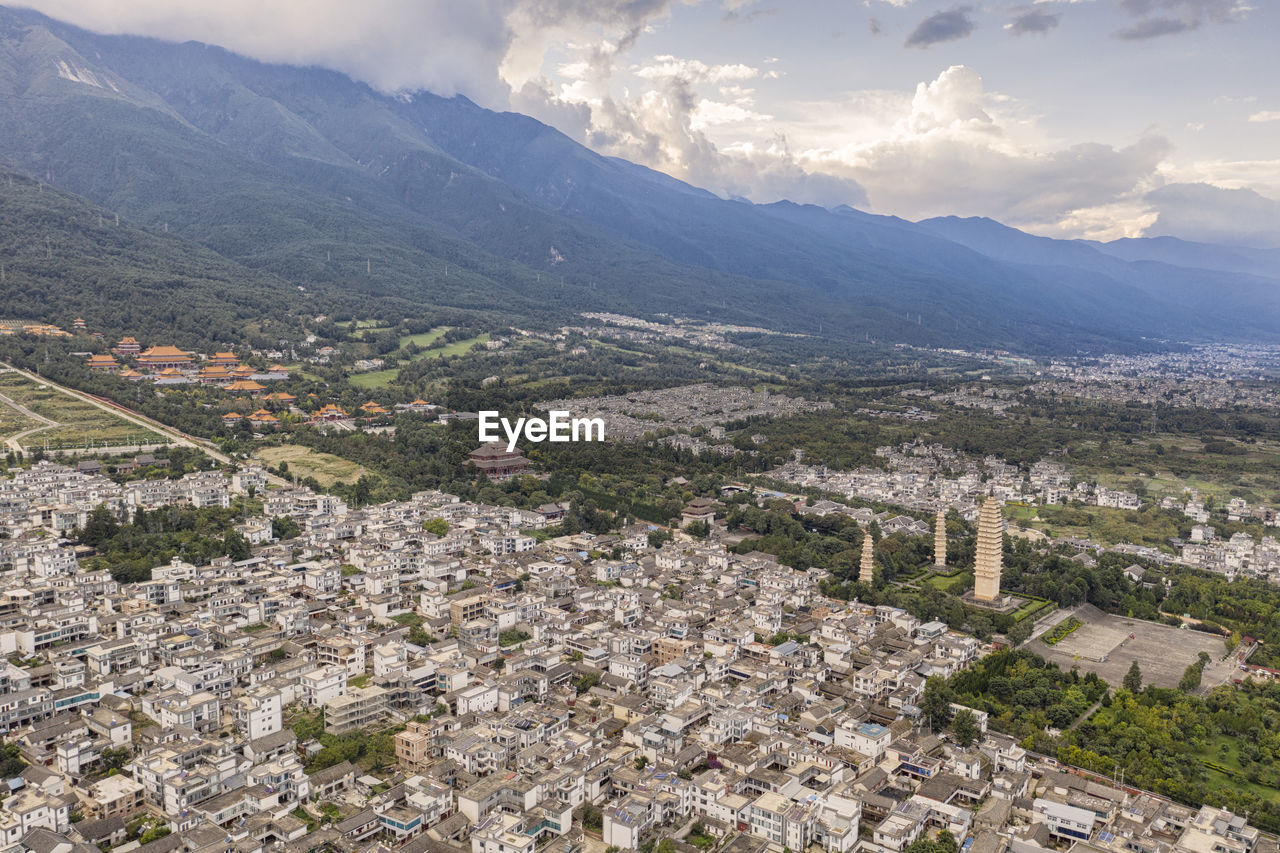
666,127
669,67
953,148
1030,19
1149,28
1265,115
1209,214
740,13
949,25
482,48
1157,18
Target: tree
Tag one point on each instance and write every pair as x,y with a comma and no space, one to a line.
1020,632
11,762
114,759
1190,681
1133,678
153,834
936,703
437,526
362,491
100,528
237,546
284,527
964,728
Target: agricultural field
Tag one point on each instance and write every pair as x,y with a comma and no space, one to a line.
36,416
326,468
1167,464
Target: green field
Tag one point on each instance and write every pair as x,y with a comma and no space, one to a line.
374,378
326,468
424,339
76,423
382,378
455,348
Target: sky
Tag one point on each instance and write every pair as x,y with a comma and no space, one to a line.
1068,118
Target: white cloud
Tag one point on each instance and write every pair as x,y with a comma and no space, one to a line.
948,151
1265,115
667,67
479,47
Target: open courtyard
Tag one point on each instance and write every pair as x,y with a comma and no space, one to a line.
1108,644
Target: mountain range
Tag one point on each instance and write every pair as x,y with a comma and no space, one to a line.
305,177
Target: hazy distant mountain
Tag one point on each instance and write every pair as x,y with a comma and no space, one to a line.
315,178
1212,292
1171,250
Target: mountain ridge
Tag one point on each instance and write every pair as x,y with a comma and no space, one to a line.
276,167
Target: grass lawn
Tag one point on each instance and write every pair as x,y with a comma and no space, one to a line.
374,378
424,339
455,348
326,468
1230,758
955,583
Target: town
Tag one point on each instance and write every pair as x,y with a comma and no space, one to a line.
436,675
307,669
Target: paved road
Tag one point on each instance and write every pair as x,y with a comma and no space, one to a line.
178,437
